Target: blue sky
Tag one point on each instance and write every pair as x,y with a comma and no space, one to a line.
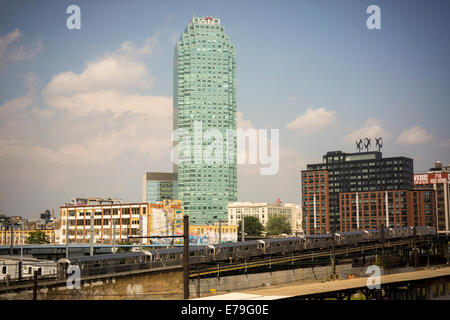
291,56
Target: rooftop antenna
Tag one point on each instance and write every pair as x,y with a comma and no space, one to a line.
359,144
367,143
379,143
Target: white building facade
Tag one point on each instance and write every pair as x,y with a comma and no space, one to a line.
263,211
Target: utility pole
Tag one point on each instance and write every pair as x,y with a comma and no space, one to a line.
91,247
242,228
67,235
114,235
382,245
173,231
167,229
35,276
333,257
414,247
23,243
220,231
11,248
186,256
141,232
21,256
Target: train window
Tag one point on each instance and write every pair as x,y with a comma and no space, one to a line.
246,248
4,269
172,256
192,253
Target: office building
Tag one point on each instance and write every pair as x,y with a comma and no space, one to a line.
204,115
342,172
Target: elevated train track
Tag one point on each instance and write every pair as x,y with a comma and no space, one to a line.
267,262
248,256
251,254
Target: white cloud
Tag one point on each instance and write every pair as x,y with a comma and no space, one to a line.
371,129
22,102
11,48
108,73
312,118
135,124
414,135
112,83
114,101
242,123
102,148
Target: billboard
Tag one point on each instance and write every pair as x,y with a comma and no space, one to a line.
431,178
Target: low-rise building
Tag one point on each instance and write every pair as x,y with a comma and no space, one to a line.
120,222
20,236
210,234
263,211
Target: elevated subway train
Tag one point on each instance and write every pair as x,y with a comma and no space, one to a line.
130,261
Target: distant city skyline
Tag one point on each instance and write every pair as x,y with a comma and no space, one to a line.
87,112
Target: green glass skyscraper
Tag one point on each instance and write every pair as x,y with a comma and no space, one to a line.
205,116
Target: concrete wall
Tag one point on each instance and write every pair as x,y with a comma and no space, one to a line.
240,282
161,285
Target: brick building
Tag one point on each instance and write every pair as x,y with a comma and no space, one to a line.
374,209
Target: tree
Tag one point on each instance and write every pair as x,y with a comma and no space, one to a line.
38,237
252,226
278,224
124,249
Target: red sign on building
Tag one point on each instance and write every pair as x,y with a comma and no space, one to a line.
431,178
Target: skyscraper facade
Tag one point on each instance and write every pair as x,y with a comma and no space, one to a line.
205,118
159,186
